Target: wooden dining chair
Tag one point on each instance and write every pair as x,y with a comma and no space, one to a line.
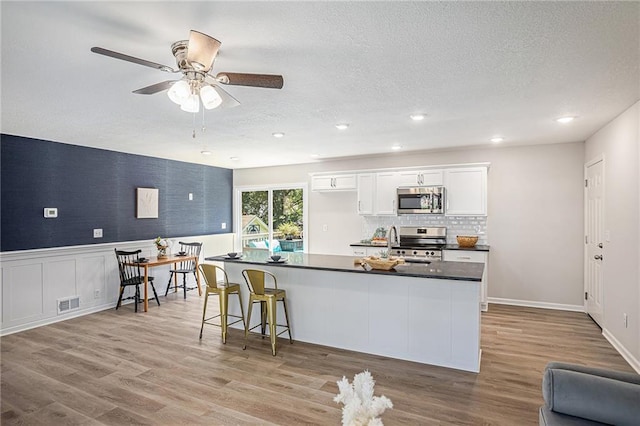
186,267
131,275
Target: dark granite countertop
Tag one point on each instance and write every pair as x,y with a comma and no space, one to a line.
438,269
447,247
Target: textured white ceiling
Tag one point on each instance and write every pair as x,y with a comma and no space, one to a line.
477,69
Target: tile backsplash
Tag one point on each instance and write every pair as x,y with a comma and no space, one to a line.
456,225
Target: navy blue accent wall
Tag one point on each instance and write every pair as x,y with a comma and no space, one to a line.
95,188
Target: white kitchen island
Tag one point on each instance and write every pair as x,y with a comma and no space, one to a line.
423,313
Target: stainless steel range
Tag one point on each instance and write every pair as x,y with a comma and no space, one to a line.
420,244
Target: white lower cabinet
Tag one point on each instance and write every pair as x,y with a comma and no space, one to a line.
367,251
474,257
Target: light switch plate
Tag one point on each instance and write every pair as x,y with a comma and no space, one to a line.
97,233
190,196
223,225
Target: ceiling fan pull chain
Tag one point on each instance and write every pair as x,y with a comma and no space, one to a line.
203,126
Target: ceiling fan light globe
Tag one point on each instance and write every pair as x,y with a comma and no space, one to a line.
210,97
179,92
192,104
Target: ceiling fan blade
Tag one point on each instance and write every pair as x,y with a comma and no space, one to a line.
228,101
202,50
269,81
122,56
155,88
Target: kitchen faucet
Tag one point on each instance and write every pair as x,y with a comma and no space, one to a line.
392,239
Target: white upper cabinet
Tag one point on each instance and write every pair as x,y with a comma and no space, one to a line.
342,182
466,191
420,178
387,184
465,188
366,191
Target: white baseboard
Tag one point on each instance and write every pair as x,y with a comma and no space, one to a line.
633,362
52,320
533,304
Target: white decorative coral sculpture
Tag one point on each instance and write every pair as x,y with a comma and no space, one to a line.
361,408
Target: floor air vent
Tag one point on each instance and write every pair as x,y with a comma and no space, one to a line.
68,304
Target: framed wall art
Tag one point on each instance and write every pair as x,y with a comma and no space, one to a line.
147,203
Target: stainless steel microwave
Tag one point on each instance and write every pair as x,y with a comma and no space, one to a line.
421,200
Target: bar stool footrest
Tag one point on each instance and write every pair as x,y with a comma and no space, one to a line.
207,320
286,328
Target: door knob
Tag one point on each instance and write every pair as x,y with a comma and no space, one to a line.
600,245
597,257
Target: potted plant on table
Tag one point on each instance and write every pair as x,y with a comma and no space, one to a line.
162,245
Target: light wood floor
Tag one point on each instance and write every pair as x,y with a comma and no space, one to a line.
118,367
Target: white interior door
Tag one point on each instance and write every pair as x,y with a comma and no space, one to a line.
594,221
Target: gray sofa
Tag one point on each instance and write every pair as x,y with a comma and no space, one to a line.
578,395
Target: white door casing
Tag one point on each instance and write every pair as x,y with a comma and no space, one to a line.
594,238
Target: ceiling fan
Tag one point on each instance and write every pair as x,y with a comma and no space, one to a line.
195,58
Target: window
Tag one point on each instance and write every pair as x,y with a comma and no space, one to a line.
272,218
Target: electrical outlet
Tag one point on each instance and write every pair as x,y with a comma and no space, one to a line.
325,228
96,293
626,320
97,233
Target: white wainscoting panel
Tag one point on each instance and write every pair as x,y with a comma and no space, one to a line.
27,295
59,281
33,280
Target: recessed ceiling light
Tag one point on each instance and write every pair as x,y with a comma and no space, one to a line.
205,152
497,139
396,147
278,135
342,126
417,117
564,120
233,158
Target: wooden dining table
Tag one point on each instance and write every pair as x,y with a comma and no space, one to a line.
167,260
